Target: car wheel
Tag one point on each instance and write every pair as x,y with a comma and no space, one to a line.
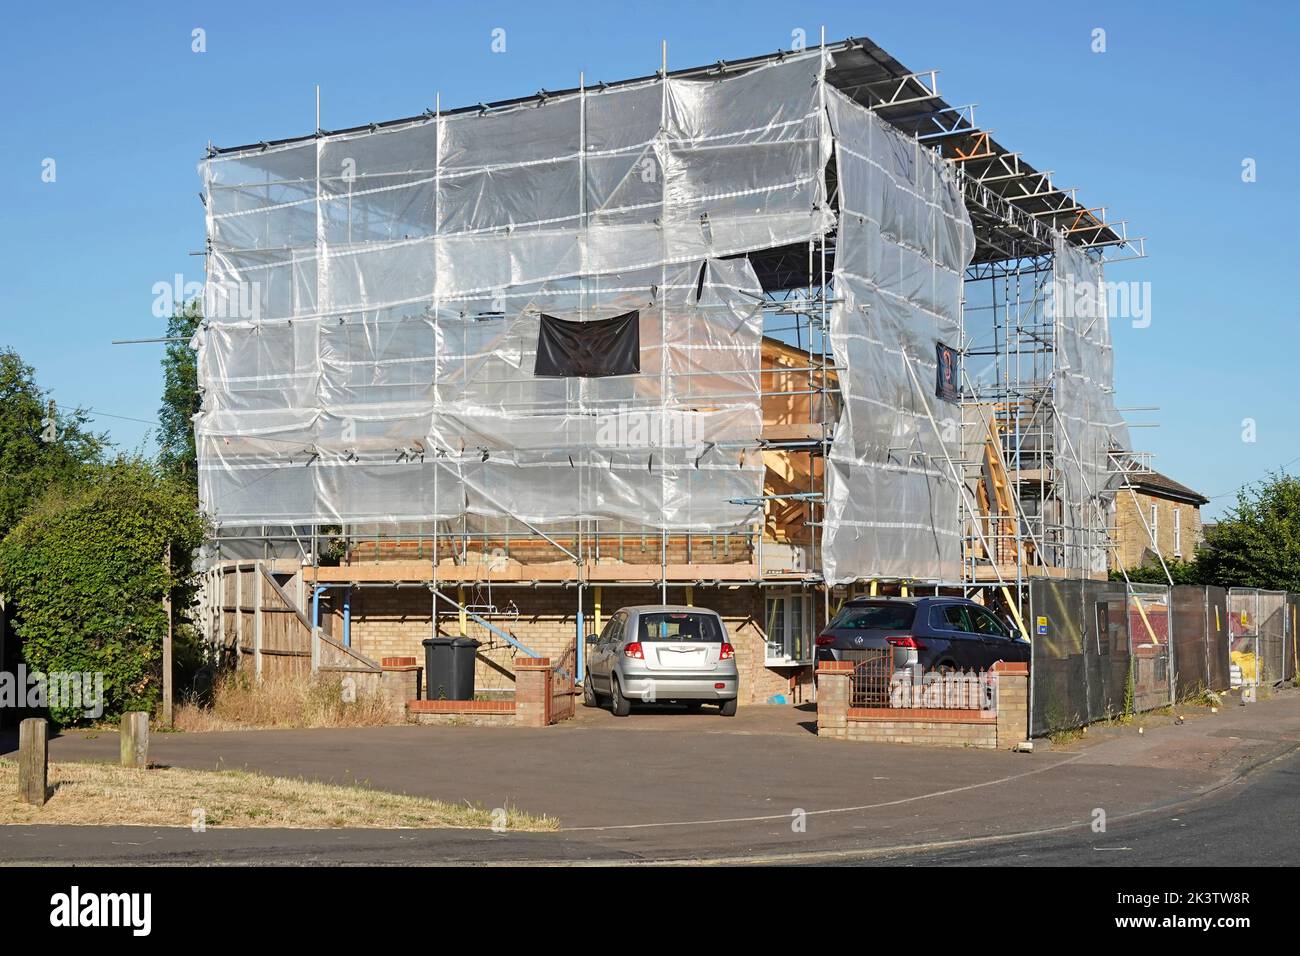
728,708
589,698
619,704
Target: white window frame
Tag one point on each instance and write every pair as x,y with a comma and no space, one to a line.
779,649
1155,525
1178,532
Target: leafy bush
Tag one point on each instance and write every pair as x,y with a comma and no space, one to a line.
86,570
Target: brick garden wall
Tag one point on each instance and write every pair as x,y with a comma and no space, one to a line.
1004,729
940,729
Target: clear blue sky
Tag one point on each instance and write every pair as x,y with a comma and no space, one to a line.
1155,128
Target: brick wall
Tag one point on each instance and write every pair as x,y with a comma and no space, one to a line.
1132,540
1005,729
957,729
392,622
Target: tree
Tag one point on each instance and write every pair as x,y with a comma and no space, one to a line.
37,451
1257,545
87,571
180,398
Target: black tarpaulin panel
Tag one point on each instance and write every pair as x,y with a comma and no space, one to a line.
589,349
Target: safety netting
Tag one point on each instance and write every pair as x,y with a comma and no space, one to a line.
545,313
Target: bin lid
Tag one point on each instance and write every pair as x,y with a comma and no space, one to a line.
466,642
438,641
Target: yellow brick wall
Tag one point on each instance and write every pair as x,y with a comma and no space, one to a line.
1133,542
392,622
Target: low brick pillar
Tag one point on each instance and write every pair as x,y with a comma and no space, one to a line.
400,681
834,691
532,691
1013,703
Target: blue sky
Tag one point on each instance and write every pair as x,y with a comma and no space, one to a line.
1155,128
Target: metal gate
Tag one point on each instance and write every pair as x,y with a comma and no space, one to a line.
1243,624
1199,640
1148,629
561,704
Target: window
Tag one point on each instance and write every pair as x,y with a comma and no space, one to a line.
951,617
1178,532
613,634
986,622
864,617
1155,526
788,615
680,626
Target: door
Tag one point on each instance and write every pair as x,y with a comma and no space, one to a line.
613,648
599,659
997,642
965,649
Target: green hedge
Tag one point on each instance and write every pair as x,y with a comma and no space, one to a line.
86,572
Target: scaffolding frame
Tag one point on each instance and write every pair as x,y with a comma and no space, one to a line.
1017,212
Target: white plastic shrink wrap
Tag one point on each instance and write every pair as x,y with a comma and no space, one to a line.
374,300
904,242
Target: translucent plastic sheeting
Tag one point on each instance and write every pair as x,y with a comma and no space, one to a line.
374,302
438,415
1088,425
903,244
470,204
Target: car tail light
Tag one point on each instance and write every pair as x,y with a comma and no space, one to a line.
908,641
727,652
825,640
719,686
634,650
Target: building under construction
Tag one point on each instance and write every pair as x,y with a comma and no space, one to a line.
757,335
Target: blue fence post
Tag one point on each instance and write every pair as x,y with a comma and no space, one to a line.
578,677
347,616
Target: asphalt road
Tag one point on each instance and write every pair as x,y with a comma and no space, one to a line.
1250,823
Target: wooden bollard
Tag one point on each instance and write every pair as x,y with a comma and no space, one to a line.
33,761
135,739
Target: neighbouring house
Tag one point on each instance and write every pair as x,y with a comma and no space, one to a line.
1160,515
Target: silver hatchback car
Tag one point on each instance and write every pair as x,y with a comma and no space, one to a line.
660,653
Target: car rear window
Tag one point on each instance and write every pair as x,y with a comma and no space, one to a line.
862,617
679,626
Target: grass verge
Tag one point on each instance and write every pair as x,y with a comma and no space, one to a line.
238,703
98,794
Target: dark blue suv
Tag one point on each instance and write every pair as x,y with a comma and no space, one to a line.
938,633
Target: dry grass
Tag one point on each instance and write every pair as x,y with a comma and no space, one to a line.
241,704
95,794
